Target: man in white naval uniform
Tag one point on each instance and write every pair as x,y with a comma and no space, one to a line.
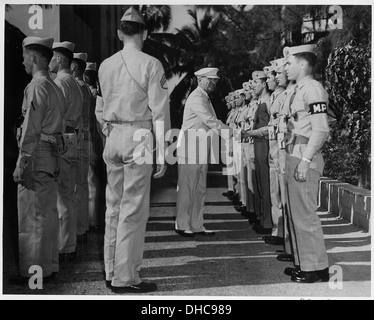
199,117
133,99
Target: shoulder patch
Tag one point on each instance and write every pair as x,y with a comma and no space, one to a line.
318,107
163,82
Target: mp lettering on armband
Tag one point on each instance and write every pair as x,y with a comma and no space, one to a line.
318,107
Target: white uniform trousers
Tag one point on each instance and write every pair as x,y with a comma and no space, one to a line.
81,191
191,192
127,213
65,199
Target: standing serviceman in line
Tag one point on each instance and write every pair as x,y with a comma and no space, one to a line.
37,165
77,68
60,63
198,117
281,132
276,99
261,149
309,130
133,100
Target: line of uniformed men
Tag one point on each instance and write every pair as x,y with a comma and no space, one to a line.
273,182
55,169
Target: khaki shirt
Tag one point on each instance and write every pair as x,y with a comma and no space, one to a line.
132,88
42,108
73,97
86,105
261,117
309,113
276,100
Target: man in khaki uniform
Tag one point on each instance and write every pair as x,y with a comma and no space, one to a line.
276,98
132,105
309,130
60,63
281,132
261,148
229,168
78,67
37,165
242,174
199,117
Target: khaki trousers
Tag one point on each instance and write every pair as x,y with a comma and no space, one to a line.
66,195
309,246
275,191
38,216
127,201
81,191
191,192
261,148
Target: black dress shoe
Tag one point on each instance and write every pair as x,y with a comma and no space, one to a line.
292,271
142,287
205,233
241,209
285,257
184,233
276,241
228,194
262,230
311,276
108,284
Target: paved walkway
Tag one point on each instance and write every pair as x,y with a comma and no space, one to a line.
234,264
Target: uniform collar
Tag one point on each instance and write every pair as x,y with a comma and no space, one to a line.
202,91
130,46
63,72
39,74
304,81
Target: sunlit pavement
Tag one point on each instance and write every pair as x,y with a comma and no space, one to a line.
233,264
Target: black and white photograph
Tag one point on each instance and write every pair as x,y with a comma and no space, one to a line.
186,151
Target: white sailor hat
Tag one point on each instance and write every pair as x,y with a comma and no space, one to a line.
80,56
66,44
133,15
207,72
258,75
91,66
310,48
45,42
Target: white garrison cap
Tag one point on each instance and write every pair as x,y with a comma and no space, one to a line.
91,66
245,85
239,91
258,75
81,56
45,42
207,72
133,15
280,64
311,48
66,44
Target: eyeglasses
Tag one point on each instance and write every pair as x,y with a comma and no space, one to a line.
214,80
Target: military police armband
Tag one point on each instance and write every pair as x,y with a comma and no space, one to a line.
318,107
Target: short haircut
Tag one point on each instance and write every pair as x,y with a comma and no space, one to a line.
309,57
66,53
40,50
90,76
131,28
80,64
